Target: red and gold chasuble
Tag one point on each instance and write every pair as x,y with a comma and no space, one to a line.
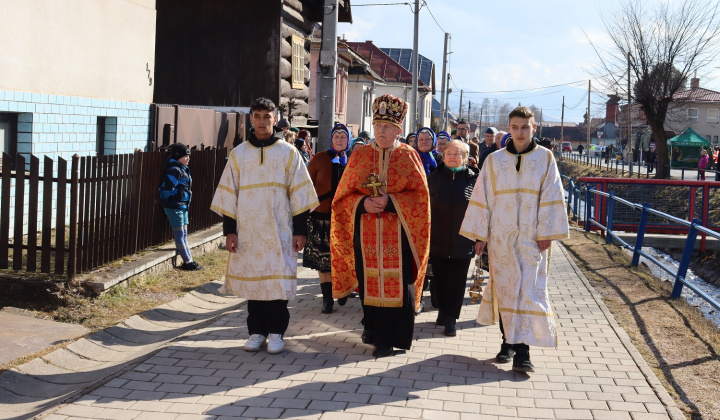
381,234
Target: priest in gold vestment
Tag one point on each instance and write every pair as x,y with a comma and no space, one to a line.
518,209
380,231
264,195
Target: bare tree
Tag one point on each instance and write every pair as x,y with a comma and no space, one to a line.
662,48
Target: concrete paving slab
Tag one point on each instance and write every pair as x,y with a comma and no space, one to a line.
48,372
93,351
72,361
23,335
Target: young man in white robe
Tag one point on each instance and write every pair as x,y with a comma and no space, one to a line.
517,209
264,195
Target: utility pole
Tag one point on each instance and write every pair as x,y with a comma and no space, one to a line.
540,133
562,122
629,113
447,102
328,71
415,73
481,118
589,119
442,92
460,109
469,107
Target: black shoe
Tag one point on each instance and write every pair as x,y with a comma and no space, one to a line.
506,353
422,307
382,352
521,360
450,329
192,266
327,306
327,302
342,301
368,337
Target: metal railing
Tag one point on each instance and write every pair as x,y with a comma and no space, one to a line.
636,169
695,227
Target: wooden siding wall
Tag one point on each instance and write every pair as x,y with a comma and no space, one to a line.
217,52
295,21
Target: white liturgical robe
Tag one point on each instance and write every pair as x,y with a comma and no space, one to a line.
262,189
511,210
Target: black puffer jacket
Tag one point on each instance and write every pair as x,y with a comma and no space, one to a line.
449,196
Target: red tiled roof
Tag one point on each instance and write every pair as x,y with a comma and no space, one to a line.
381,63
697,95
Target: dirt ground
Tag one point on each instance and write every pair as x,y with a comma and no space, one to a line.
676,341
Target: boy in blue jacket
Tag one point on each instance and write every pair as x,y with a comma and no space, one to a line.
175,194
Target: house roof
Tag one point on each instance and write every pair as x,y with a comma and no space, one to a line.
382,64
404,56
697,95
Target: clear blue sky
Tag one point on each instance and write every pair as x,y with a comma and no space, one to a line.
502,45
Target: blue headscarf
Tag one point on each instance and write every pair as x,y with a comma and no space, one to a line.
505,139
428,159
339,156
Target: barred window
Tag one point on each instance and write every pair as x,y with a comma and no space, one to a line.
298,62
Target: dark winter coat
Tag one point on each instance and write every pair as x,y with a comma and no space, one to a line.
175,186
449,196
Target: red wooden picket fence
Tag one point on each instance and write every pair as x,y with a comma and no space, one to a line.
108,207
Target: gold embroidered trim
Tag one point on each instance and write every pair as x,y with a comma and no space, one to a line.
261,278
224,188
553,237
289,164
524,312
517,190
261,185
479,204
297,187
552,203
311,206
217,209
235,164
472,235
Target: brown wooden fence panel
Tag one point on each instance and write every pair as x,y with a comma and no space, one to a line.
72,251
135,200
60,216
19,211
82,216
45,253
33,182
7,162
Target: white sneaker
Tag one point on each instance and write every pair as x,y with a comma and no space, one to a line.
254,342
275,344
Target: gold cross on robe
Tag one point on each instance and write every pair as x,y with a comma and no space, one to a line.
374,184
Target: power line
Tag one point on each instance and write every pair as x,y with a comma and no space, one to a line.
433,16
525,90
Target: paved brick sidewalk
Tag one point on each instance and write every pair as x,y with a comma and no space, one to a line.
326,372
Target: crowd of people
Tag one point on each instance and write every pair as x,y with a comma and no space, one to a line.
372,215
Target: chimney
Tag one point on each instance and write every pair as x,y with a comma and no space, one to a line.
694,83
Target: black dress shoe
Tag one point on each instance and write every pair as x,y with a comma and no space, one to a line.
521,360
327,306
382,352
450,330
422,307
524,366
506,353
342,301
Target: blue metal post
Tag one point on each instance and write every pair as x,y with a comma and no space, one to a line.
610,212
640,235
587,208
577,203
571,188
685,261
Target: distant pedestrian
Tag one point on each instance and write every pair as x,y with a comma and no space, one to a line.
580,149
650,159
463,131
702,164
175,193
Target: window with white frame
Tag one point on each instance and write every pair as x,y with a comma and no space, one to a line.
298,62
713,116
692,114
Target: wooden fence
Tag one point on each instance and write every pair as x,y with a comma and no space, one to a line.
113,210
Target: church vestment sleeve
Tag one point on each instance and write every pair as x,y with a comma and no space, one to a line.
300,189
476,224
224,202
552,216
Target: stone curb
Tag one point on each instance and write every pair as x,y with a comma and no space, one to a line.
158,259
663,395
45,382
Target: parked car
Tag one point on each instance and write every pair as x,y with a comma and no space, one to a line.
566,146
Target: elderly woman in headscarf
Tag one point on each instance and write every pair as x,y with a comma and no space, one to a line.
325,170
442,139
412,140
426,141
356,144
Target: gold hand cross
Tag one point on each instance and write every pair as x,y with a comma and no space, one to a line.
374,184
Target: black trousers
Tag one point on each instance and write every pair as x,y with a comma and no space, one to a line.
268,317
449,280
